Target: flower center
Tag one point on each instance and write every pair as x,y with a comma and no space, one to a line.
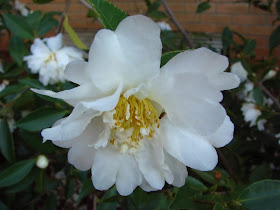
133,120
52,56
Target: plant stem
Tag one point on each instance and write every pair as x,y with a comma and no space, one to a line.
59,28
177,24
267,92
85,3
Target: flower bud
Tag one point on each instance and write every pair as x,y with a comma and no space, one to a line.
42,162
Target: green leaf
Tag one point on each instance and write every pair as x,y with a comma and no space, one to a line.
263,194
17,49
167,56
109,14
40,119
47,23
158,15
41,1
202,7
18,26
11,90
218,206
3,206
23,184
34,141
258,96
33,19
195,184
72,34
33,83
86,189
16,172
227,38
250,46
274,39
6,141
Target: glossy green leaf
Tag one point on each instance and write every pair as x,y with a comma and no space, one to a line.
167,56
274,39
263,194
11,90
72,34
18,26
227,38
258,96
16,172
17,49
195,184
218,206
6,141
33,19
33,83
40,119
23,184
250,46
109,14
86,189
47,23
202,7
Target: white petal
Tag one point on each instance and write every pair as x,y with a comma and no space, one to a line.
80,117
189,100
223,135
178,170
55,43
200,60
146,186
224,80
189,148
239,71
39,47
139,92
78,72
130,55
110,167
73,96
150,159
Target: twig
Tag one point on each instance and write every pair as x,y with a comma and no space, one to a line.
59,28
266,91
177,24
226,164
84,2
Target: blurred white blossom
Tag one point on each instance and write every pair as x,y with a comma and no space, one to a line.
21,8
251,113
164,26
136,124
270,74
239,70
49,58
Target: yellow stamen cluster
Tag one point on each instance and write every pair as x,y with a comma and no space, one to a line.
137,114
51,57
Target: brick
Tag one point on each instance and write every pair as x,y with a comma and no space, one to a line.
240,29
177,7
187,18
223,19
190,8
235,8
262,41
249,19
206,28
260,30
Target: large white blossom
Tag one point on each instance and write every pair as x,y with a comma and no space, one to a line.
49,58
118,128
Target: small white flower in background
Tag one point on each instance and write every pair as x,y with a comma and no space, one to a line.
49,58
4,84
271,74
42,162
1,67
118,128
239,70
21,8
251,113
164,26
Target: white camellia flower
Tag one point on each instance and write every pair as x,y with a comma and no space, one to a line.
239,70
118,128
49,58
251,113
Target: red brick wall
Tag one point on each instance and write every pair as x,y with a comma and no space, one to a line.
247,20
